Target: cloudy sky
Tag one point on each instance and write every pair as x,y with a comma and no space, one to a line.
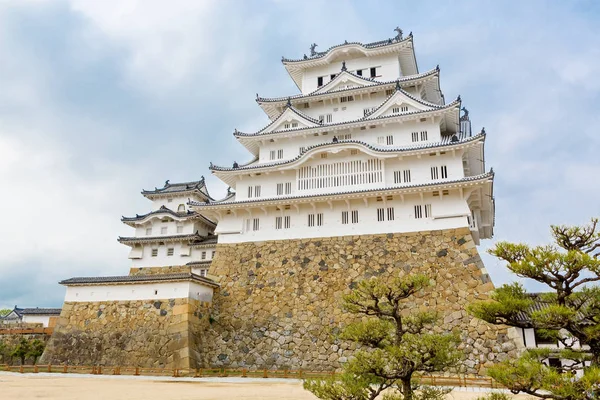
99,99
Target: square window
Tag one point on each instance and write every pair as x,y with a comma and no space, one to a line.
170,251
154,252
203,255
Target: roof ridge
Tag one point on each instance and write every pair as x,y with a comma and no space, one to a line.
382,149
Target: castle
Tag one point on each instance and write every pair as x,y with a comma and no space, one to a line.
368,171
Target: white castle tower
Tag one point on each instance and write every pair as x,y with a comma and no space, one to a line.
171,235
369,146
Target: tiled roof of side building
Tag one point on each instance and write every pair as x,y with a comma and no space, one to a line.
447,140
539,304
40,311
435,107
181,187
99,280
165,210
319,54
167,238
372,83
488,176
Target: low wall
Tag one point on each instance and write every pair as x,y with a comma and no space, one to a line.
145,333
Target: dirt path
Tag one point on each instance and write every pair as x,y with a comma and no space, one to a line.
73,387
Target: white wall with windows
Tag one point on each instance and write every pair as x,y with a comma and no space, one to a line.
402,134
38,319
168,254
175,203
379,215
387,68
139,291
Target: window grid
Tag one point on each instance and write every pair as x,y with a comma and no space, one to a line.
255,224
389,140
154,252
343,173
355,216
344,217
203,255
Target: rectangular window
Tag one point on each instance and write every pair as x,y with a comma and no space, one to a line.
435,173
294,124
389,140
255,224
272,154
323,155
332,76
257,191
321,118
404,108
302,149
278,222
390,213
279,189
319,81
287,222
329,118
317,219
355,216
406,174
389,92
311,220
170,251
250,191
248,224
163,230
366,112
154,252
373,72
427,210
286,126
148,231
380,139
397,176
396,110
415,136
418,211
353,152
380,214
344,217
203,272
359,72
180,229
444,171
203,255
288,188
279,154
320,219
423,135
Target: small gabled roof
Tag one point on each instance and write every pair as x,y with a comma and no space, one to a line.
289,113
271,105
178,189
131,221
405,97
397,45
131,279
190,238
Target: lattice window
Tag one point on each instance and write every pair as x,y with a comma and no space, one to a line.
154,252
390,213
344,217
444,170
435,173
423,135
288,188
256,224
278,222
389,140
355,216
342,173
380,214
279,154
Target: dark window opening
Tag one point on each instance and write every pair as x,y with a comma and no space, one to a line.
539,339
554,363
359,72
373,72
320,81
332,76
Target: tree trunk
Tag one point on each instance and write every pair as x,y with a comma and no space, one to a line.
407,391
22,360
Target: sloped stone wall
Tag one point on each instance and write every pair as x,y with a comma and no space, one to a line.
279,302
143,333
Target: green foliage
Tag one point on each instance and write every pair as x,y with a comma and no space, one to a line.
36,349
495,396
571,310
398,344
21,350
4,311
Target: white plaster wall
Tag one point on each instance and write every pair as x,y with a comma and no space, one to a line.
420,168
447,212
173,203
156,224
162,259
37,319
139,291
388,68
402,133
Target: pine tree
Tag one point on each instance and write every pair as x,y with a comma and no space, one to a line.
568,314
396,344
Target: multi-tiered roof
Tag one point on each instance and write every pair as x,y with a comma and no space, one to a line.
421,99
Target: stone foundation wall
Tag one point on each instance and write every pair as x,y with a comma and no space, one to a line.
144,333
279,302
173,269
